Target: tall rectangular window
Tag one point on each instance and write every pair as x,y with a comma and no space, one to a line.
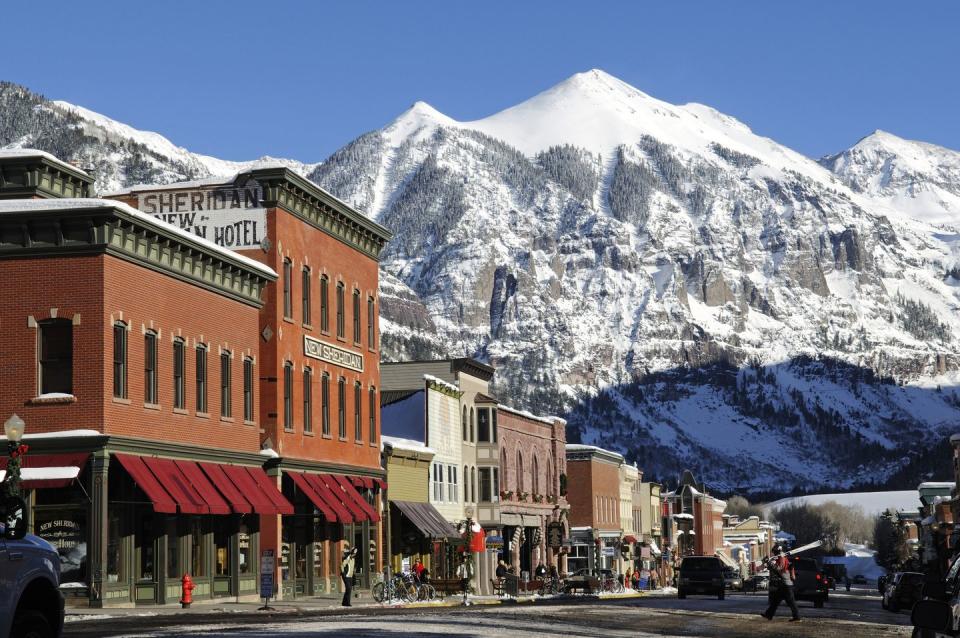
120,360
357,412
325,303
287,289
493,425
485,484
179,389
308,400
248,389
356,316
437,483
495,487
305,293
373,415
342,408
483,424
287,396
150,367
201,378
371,315
452,490
325,404
56,356
226,385
341,328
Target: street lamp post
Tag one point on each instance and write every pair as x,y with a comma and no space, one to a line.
13,429
468,555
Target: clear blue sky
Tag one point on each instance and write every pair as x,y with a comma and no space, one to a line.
240,79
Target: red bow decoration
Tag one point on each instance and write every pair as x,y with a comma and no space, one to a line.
20,451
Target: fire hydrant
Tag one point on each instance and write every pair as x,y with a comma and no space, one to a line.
186,585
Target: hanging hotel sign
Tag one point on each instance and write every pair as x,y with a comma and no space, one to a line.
332,354
555,534
232,217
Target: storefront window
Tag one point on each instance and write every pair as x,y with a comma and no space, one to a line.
67,531
318,557
115,568
145,546
245,549
301,542
173,549
198,548
285,561
222,529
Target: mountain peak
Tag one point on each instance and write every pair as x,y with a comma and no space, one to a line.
418,119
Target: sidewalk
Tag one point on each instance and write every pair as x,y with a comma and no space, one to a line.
308,606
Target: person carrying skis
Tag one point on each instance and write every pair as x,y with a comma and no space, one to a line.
781,584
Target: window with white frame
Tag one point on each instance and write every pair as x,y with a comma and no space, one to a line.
452,489
437,483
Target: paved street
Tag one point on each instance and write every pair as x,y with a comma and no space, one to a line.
855,614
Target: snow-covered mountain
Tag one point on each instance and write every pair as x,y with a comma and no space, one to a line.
920,179
680,288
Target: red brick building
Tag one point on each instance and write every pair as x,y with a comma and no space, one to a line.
319,356
532,459
213,403
697,519
144,439
593,492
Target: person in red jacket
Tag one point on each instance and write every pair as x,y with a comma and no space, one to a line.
781,584
419,570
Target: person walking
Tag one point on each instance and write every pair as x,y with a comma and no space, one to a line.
781,584
347,567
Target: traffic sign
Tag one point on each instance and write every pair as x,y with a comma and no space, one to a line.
267,565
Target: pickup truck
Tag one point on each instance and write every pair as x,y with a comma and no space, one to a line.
31,605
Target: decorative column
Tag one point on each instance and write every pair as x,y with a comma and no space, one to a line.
97,532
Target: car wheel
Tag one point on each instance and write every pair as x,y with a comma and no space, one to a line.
31,624
883,603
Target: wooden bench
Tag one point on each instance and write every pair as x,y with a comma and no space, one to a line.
446,586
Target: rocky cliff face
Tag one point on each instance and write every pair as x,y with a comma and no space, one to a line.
682,289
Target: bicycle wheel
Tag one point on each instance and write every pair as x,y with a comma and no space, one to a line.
431,593
617,587
378,592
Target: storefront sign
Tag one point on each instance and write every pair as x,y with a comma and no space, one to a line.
608,551
494,543
68,535
555,534
228,216
332,354
267,566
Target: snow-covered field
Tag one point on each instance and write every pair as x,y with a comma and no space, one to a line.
872,503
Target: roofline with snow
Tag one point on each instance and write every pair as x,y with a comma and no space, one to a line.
33,173
284,188
112,228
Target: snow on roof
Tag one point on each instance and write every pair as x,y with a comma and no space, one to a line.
33,152
45,473
579,447
61,434
408,445
36,205
440,382
681,515
936,485
269,452
533,417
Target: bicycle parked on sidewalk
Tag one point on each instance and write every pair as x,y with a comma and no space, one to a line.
611,583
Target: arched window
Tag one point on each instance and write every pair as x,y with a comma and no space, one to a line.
466,484
504,470
464,423
519,471
535,481
473,484
549,479
471,425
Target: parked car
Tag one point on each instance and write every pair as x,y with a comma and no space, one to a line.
859,579
581,580
837,575
810,583
903,591
936,615
30,602
732,578
757,582
701,575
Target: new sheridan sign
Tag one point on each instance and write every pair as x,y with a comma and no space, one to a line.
332,354
232,217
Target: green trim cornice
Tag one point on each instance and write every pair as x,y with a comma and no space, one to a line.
113,231
39,176
303,465
444,388
285,189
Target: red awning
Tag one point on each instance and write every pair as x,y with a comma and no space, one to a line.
368,482
173,480
381,483
629,539
344,514
337,492
38,471
203,485
280,504
251,490
135,467
231,492
368,512
313,496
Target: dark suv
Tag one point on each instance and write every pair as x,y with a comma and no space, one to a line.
701,575
903,591
810,584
